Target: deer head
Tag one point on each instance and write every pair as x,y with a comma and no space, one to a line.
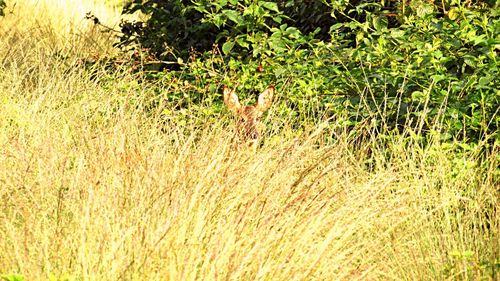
249,116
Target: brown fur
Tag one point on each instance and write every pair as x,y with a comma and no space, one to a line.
249,117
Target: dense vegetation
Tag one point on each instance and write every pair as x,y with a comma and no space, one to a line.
2,7
380,160
429,66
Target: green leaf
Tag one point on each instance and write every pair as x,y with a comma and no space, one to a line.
293,32
272,6
336,26
12,277
359,37
233,16
279,71
277,44
484,81
418,96
438,78
242,41
227,47
453,13
218,20
470,61
380,23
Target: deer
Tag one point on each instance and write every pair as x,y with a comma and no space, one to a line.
249,116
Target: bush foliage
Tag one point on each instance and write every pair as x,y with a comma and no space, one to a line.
2,7
429,66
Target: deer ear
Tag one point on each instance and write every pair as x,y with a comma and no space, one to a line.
231,100
265,99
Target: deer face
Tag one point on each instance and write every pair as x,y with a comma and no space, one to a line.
249,116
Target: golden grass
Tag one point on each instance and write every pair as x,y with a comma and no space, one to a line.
94,188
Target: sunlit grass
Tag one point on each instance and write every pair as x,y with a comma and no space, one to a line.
95,187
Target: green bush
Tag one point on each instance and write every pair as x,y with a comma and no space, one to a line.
2,7
177,27
428,66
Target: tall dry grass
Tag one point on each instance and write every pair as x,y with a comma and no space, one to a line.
93,187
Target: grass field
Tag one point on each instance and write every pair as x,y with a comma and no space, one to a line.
95,187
